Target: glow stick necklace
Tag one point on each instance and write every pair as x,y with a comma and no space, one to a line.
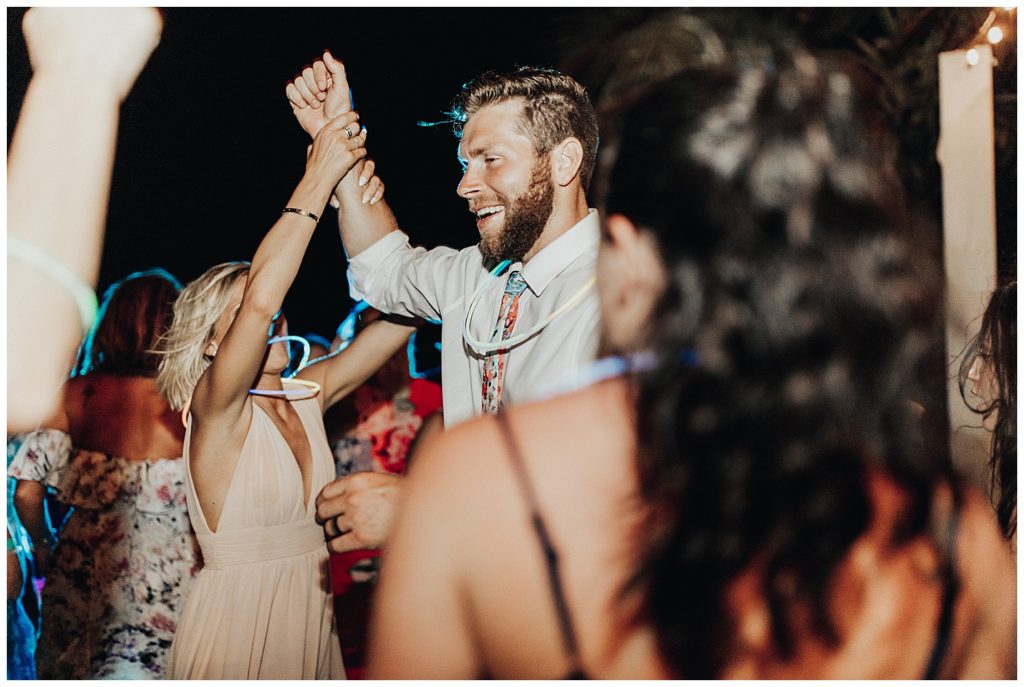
610,367
599,371
487,347
310,389
303,365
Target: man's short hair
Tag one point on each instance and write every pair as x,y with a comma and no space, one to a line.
555,107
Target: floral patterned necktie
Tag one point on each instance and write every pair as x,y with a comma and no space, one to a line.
494,365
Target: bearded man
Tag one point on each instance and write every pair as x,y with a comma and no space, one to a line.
518,310
528,142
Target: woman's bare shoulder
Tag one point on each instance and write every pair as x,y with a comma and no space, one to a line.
547,433
103,383
981,544
988,578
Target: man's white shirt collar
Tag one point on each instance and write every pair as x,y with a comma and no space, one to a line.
556,257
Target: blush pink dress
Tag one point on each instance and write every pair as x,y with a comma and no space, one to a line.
261,606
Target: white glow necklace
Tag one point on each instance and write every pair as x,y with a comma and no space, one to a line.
488,347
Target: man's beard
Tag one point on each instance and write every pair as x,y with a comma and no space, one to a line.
525,218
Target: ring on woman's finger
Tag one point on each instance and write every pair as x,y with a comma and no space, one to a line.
348,132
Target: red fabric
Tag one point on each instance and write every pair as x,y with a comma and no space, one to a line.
353,598
426,396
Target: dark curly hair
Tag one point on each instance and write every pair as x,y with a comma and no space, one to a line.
555,107
996,347
797,282
134,313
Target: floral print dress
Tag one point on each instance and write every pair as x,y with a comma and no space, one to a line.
125,561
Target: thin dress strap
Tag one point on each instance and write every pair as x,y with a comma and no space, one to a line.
550,554
950,589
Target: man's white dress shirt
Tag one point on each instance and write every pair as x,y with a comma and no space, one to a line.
438,284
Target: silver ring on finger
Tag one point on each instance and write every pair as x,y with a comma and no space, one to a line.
348,132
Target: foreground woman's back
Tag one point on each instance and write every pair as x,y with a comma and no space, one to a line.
465,533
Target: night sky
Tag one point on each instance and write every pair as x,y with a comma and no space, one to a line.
208,150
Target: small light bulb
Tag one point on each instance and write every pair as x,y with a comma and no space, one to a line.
973,57
995,34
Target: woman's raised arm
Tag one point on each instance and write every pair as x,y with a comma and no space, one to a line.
223,389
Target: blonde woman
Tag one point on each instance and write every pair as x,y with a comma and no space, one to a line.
256,452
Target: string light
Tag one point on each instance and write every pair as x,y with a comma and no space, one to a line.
992,33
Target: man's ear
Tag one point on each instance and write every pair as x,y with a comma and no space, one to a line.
567,157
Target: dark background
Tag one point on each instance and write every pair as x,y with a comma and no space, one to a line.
208,151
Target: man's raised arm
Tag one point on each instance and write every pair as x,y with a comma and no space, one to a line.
318,94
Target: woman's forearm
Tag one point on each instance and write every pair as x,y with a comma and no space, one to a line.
280,254
59,163
336,148
58,180
56,152
222,388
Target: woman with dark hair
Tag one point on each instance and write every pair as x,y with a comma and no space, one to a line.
744,490
127,555
129,322
990,366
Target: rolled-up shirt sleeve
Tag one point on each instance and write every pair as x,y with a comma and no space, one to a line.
396,278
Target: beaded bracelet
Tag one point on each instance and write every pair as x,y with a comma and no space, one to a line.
304,213
31,254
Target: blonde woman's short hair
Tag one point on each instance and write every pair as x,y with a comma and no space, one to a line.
196,311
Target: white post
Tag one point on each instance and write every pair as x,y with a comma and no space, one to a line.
966,151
